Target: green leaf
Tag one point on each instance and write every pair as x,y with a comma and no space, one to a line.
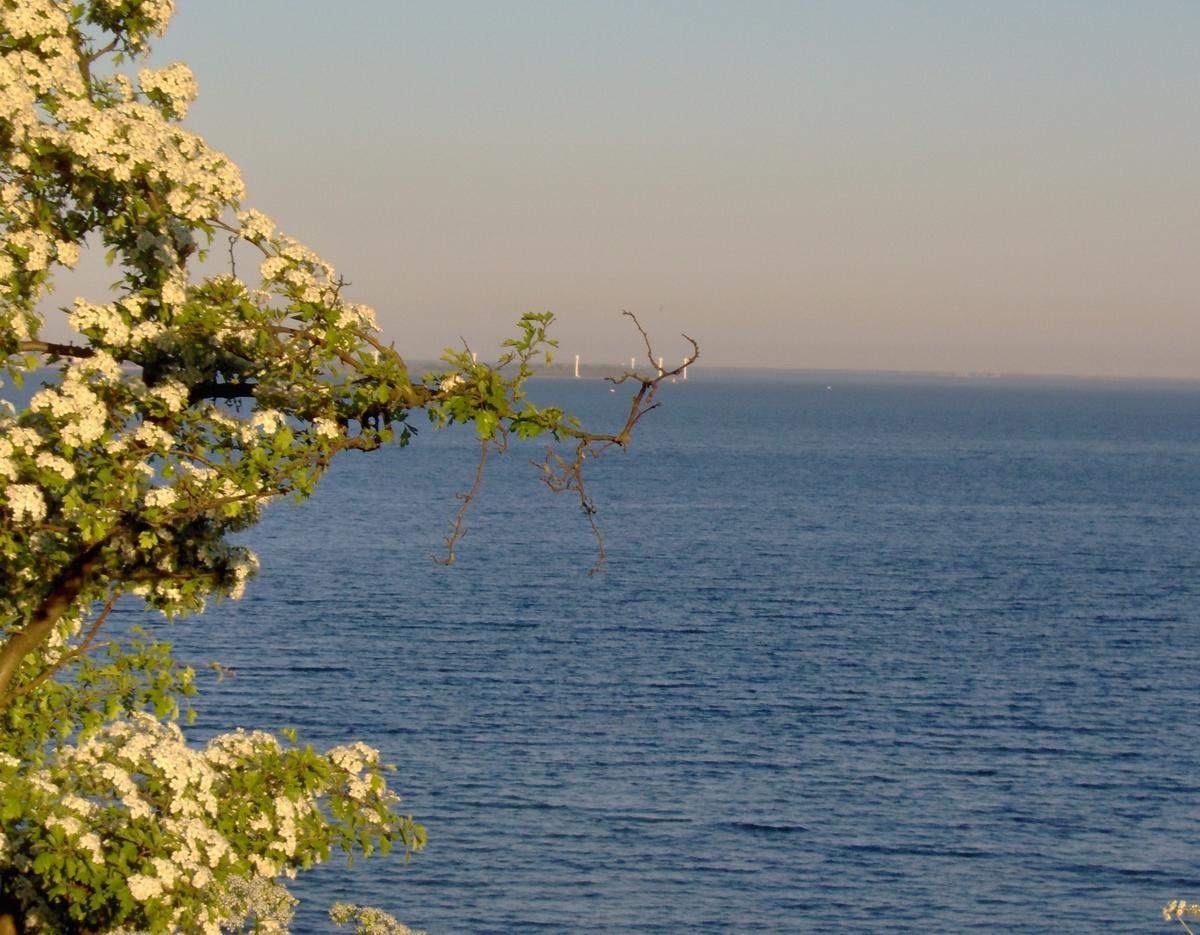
485,423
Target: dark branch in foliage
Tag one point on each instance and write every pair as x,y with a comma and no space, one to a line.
211,389
55,350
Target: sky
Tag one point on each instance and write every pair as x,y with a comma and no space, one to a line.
935,186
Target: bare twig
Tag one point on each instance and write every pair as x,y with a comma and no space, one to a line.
645,337
456,528
221,669
561,475
236,233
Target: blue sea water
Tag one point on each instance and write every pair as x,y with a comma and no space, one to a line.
898,655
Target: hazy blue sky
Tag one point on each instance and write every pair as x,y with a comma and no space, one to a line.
1006,186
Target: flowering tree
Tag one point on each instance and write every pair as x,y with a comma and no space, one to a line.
184,404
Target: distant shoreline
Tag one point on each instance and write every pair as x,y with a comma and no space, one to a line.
702,371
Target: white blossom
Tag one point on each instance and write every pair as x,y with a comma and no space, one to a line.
173,393
255,225
353,757
358,316
326,428
174,83
264,422
160,497
90,842
153,436
24,439
67,252
55,464
101,362
25,502
272,266
145,332
104,320
174,289
78,805
68,824
143,888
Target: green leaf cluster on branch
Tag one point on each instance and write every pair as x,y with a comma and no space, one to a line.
187,401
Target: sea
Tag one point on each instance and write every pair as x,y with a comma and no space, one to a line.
868,654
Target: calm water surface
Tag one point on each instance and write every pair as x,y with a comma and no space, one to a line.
896,657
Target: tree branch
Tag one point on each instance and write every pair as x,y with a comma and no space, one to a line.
64,589
211,389
54,349
79,650
560,475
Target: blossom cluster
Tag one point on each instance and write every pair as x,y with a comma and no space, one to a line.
26,503
74,407
1179,909
368,920
218,835
173,86
125,448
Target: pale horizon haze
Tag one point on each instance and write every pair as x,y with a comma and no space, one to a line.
951,186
